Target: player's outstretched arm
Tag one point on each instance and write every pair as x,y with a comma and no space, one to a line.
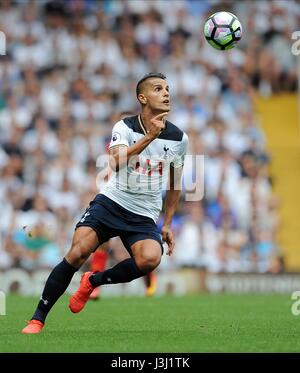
120,154
172,199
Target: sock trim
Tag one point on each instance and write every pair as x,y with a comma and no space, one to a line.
70,265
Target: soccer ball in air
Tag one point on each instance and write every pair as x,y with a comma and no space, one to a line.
223,30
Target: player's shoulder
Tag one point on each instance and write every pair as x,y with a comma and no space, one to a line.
132,123
172,132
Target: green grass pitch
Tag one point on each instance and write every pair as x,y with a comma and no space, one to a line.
202,323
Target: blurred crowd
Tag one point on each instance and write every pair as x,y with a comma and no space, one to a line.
70,70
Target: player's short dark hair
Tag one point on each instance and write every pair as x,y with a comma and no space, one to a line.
148,76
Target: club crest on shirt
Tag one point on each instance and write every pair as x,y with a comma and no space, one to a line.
166,149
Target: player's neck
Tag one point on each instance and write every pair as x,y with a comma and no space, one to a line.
144,120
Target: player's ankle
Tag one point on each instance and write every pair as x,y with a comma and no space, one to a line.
94,280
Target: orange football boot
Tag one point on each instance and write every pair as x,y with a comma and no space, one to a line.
33,327
81,296
151,288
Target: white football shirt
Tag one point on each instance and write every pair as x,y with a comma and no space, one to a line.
138,187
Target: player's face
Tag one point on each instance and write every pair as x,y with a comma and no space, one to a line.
157,94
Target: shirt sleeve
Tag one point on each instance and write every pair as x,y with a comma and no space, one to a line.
120,135
178,160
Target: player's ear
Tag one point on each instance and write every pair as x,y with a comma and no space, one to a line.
142,98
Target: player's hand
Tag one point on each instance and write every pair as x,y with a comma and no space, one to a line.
157,124
167,236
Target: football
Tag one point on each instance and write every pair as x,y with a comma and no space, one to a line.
223,30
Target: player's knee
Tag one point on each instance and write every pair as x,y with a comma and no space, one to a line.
147,262
77,255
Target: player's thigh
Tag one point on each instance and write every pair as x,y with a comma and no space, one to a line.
85,241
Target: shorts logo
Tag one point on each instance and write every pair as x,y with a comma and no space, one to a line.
84,217
116,137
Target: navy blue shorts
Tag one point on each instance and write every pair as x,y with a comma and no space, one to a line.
109,219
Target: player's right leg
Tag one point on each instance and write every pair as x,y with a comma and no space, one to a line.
85,241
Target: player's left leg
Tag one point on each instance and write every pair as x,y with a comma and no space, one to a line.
146,255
